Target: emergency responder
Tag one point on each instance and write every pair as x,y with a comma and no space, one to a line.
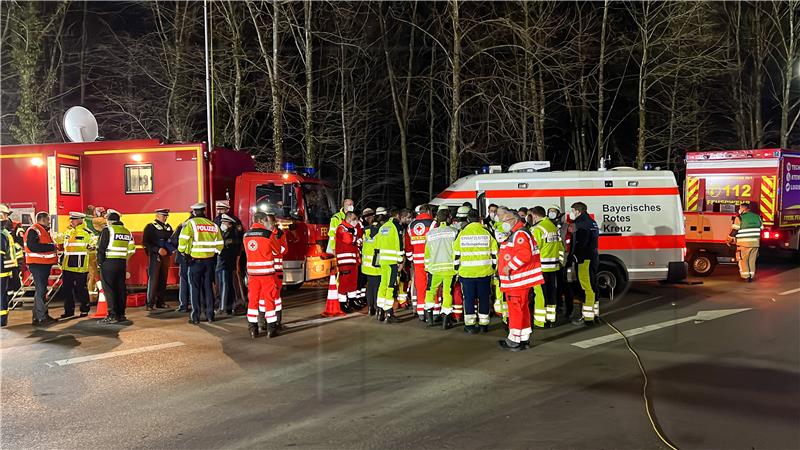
414,242
491,217
461,217
336,219
746,233
94,222
75,265
367,217
8,261
183,267
547,239
259,248
523,213
114,248
200,242
17,234
224,207
40,255
475,253
439,266
584,256
563,289
280,248
389,255
520,270
369,265
347,261
226,263
404,269
154,240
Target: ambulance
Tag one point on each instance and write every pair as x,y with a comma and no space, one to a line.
717,182
638,213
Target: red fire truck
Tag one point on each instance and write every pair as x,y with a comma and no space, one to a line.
718,181
138,176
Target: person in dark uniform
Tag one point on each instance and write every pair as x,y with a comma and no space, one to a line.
154,239
183,284
226,263
113,250
40,256
584,256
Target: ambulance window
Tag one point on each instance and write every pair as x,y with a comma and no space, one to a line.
70,179
138,178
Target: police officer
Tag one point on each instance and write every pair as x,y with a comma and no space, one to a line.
336,219
114,248
389,256
40,255
746,232
548,240
226,263
475,252
260,249
439,264
200,242
8,261
183,267
75,265
583,253
154,239
369,265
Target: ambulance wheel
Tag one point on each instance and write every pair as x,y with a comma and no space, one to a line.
612,283
702,264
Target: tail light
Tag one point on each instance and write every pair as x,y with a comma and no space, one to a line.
765,235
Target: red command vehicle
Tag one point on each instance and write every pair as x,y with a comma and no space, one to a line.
138,176
718,181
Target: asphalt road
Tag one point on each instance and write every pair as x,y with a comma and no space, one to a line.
727,382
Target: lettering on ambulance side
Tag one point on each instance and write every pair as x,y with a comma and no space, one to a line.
122,237
474,241
638,218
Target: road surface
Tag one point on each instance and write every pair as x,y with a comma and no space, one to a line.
722,359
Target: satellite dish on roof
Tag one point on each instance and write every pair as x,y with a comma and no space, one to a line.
80,125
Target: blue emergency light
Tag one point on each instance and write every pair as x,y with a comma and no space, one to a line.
485,169
288,166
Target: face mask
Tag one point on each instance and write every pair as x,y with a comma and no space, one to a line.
552,215
572,216
493,216
506,227
350,208
457,225
223,227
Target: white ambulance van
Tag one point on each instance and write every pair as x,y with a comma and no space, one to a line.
639,214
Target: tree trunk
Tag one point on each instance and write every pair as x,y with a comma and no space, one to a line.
736,79
277,114
787,74
310,156
345,149
758,69
456,86
601,153
641,153
431,125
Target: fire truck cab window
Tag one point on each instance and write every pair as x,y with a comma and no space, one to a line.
138,178
269,199
70,179
318,203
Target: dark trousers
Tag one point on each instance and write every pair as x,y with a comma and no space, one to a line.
476,288
373,283
224,273
112,274
564,293
73,287
201,276
157,271
4,300
183,286
550,288
41,276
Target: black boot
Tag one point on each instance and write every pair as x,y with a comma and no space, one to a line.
345,307
390,317
262,322
279,315
372,311
471,329
253,328
272,330
505,344
429,317
381,314
448,321
485,328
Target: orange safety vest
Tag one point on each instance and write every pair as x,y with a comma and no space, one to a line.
44,238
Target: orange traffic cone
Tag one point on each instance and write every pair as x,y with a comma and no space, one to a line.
102,306
332,305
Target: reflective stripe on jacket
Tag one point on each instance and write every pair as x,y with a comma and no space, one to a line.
76,249
439,256
519,254
200,238
120,243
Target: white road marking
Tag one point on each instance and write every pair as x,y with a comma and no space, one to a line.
790,291
132,351
217,327
700,316
319,320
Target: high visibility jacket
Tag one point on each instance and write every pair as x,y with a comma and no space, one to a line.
475,252
747,230
336,220
44,239
7,256
415,236
347,245
520,254
387,244
368,251
280,248
200,238
259,247
76,250
439,256
551,249
120,242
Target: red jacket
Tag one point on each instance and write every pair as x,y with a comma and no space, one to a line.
259,247
281,247
520,254
347,239
415,237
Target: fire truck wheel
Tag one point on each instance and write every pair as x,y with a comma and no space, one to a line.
702,264
611,282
